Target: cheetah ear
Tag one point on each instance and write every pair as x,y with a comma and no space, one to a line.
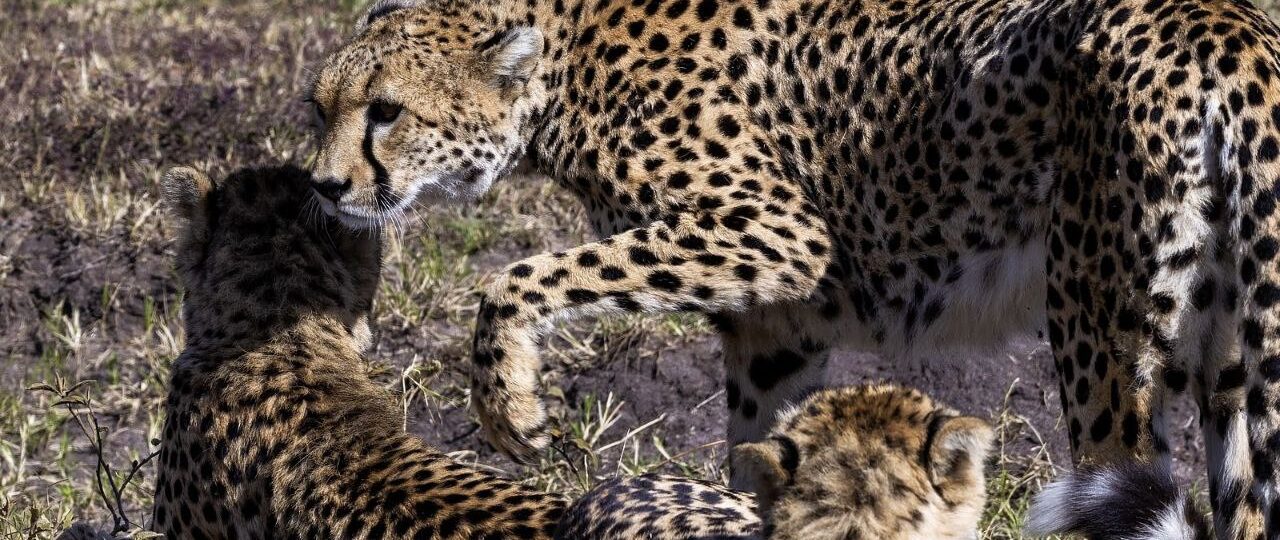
763,468
185,191
958,450
515,55
381,9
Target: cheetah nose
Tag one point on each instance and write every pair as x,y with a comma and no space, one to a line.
332,189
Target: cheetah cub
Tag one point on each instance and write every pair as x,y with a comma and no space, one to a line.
874,461
273,428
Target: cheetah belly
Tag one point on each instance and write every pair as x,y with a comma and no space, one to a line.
999,295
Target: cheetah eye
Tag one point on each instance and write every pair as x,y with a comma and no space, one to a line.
316,109
319,113
383,112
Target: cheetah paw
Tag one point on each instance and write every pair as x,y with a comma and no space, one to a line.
515,425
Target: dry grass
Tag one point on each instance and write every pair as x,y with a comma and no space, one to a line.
101,96
1015,476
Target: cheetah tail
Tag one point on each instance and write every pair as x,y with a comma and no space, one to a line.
1130,502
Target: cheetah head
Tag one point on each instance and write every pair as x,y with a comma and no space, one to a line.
256,243
874,461
425,104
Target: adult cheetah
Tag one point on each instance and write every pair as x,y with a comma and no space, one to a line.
873,461
889,174
273,429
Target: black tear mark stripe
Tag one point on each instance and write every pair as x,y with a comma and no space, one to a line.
381,181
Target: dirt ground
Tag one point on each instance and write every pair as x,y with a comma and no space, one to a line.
686,383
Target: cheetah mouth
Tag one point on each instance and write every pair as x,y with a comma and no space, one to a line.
357,219
453,187
351,216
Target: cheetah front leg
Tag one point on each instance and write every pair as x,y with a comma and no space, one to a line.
773,356
705,262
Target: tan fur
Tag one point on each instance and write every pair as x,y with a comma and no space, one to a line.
273,428
883,174
875,461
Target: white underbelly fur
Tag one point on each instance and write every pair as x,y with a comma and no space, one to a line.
1000,295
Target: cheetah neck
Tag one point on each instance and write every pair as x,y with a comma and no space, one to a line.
299,301
307,339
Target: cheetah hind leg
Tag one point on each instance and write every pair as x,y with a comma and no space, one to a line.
1224,427
1103,358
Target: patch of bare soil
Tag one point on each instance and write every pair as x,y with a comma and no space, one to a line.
682,385
61,266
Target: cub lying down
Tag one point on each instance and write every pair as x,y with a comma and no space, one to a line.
875,461
273,428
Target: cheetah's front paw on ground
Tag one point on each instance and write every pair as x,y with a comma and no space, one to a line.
505,389
514,424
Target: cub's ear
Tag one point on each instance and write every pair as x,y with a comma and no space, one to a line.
515,55
185,192
381,9
958,452
763,468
